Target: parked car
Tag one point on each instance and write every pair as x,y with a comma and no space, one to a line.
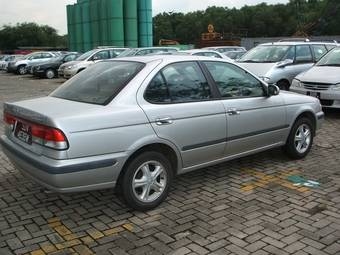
19,66
136,122
322,80
279,62
6,59
147,51
206,53
69,69
49,69
234,54
223,49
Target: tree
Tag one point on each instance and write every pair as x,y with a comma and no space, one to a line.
30,35
312,17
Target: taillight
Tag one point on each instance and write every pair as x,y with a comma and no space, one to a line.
46,136
49,137
9,120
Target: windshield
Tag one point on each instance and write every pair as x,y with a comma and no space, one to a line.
100,83
86,55
129,52
268,54
330,59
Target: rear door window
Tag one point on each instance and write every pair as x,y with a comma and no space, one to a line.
178,83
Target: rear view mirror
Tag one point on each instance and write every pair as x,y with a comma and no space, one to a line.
285,62
273,90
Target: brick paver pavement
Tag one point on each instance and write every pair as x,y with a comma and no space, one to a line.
245,206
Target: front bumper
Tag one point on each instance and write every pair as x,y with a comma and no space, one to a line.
328,98
68,175
68,73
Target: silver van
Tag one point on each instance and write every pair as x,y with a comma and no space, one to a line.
279,62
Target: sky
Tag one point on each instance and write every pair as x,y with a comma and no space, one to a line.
53,12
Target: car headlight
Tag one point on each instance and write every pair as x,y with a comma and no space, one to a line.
265,79
336,87
72,66
296,83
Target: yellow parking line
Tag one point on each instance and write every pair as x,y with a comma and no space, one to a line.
71,239
263,180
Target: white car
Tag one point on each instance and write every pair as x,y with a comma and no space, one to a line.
322,80
20,65
205,53
71,68
6,59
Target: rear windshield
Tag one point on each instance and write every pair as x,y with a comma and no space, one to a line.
100,83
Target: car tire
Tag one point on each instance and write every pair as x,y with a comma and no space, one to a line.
141,186
50,73
21,69
300,139
283,85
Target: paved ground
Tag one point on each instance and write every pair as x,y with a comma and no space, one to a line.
245,206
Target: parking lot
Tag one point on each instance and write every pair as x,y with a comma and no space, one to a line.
262,204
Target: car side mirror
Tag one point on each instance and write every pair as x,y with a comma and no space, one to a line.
285,62
273,90
94,58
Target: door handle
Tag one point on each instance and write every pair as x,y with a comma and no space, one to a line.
164,121
233,111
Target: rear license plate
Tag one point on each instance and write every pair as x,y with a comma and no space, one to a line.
313,94
23,132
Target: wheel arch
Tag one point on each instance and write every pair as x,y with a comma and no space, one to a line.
167,150
284,80
307,114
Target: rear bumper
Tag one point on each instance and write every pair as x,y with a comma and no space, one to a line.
68,175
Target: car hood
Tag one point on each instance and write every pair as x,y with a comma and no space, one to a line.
78,116
259,69
322,74
71,63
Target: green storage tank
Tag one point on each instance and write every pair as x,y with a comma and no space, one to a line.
79,28
145,23
103,23
115,22
71,27
94,16
130,23
86,25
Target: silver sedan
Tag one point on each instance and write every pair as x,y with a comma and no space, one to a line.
134,123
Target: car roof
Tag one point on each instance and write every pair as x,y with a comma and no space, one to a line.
167,58
287,43
199,50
